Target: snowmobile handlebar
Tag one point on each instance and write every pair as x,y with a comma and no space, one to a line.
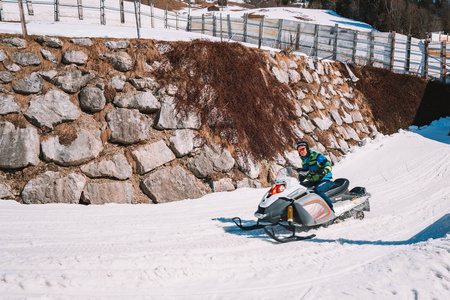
305,173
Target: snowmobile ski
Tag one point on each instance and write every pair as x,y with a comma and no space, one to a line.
238,223
270,232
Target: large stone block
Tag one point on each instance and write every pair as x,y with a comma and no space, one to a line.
151,156
77,57
26,59
48,41
170,118
128,126
222,185
182,142
72,80
5,191
109,192
173,184
92,99
32,84
281,75
83,149
121,61
19,147
8,104
51,187
248,165
213,158
323,122
145,102
117,167
52,108
6,77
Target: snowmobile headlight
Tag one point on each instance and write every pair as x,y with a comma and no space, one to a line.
277,188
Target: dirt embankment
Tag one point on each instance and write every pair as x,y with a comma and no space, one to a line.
399,100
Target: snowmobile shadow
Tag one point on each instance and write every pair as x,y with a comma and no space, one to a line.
438,229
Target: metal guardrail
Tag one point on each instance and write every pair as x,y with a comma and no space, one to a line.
399,53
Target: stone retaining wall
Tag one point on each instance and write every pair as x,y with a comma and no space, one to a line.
83,121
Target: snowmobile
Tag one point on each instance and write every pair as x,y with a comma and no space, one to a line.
296,207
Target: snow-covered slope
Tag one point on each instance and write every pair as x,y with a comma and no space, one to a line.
192,250
68,14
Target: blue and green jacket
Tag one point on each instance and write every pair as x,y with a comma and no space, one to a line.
317,161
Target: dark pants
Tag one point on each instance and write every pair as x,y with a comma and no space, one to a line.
320,188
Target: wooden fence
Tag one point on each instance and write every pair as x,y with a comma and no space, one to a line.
399,53
396,52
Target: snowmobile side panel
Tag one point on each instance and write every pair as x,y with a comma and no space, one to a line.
313,210
274,212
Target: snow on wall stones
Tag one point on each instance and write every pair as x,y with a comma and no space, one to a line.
86,121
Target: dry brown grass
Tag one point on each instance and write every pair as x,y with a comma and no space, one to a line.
394,98
66,133
225,81
18,120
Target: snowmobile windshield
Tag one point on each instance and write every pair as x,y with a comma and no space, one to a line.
288,171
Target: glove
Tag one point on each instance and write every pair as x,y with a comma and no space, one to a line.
302,175
301,178
317,172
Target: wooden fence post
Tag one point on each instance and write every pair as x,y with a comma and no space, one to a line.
136,8
245,27
372,48
214,25
297,37
122,12
203,23
230,33
30,8
152,19
221,29
261,32
408,53
56,10
425,60
139,12
165,16
279,33
392,58
316,40
355,45
444,61
80,9
336,31
22,19
102,12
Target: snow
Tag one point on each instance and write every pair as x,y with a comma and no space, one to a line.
70,25
192,250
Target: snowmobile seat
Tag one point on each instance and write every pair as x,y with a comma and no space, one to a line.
340,185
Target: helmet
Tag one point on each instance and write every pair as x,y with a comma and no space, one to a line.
304,144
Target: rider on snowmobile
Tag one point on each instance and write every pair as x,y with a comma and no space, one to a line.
319,176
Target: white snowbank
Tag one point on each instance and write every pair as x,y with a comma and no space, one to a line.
191,249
